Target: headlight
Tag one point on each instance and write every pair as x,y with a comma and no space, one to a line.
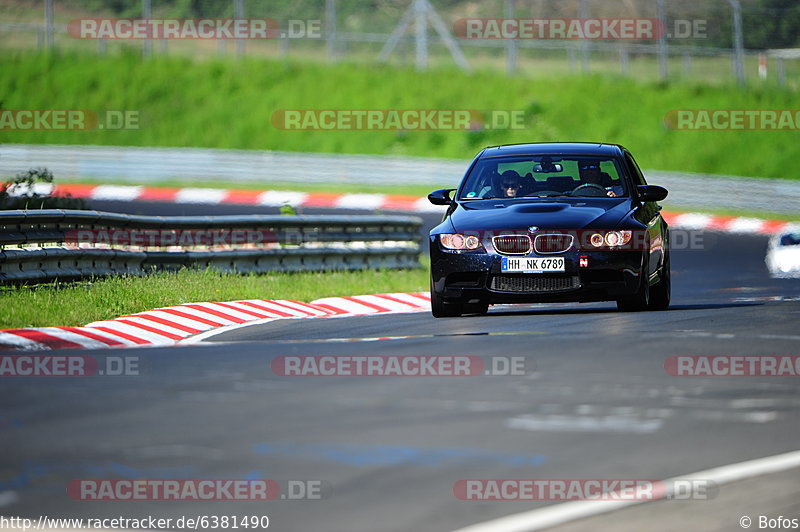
596,240
611,239
625,237
460,242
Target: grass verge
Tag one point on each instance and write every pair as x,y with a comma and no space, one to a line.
82,303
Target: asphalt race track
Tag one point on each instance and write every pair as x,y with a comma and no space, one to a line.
595,401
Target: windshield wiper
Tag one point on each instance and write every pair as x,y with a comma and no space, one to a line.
496,197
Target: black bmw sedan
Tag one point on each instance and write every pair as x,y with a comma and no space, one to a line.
550,222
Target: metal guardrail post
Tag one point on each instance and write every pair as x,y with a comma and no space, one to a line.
583,13
738,42
48,24
238,13
421,34
330,29
511,44
663,65
147,44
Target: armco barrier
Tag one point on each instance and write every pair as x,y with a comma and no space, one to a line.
40,246
120,165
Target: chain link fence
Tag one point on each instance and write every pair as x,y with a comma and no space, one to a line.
751,41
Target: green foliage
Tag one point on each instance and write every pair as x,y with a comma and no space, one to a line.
288,210
26,195
230,104
772,24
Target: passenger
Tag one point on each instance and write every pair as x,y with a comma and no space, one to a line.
508,184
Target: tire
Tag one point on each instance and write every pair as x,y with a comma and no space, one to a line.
440,309
660,292
641,299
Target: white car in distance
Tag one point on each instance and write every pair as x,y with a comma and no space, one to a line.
783,255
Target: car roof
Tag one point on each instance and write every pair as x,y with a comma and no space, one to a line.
544,148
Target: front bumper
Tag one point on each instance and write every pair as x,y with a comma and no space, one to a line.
472,277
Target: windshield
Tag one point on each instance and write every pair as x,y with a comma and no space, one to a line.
790,239
544,176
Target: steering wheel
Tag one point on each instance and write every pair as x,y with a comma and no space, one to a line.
592,186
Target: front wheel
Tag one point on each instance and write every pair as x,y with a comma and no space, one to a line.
641,299
660,292
440,309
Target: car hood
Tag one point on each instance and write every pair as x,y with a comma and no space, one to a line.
564,213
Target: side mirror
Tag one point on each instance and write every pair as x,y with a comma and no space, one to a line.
652,192
441,197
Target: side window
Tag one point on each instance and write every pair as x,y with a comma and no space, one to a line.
638,177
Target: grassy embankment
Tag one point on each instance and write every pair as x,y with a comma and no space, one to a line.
220,103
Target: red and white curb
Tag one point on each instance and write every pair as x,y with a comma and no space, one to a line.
371,202
727,224
192,321
266,198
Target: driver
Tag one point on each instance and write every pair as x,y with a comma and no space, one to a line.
590,174
508,184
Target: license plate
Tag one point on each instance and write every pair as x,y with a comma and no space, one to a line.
532,264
